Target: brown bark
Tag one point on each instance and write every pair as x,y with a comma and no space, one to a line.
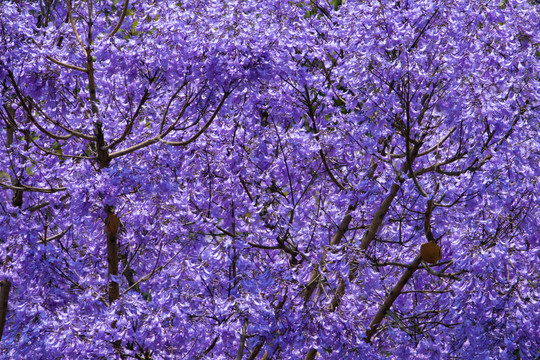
112,221
5,285
396,291
256,349
376,224
338,236
366,241
102,153
311,354
336,299
242,344
111,229
379,217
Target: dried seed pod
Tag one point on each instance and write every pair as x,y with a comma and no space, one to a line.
430,252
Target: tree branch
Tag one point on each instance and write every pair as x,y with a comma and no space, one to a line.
66,65
203,129
158,138
130,123
441,273
71,131
70,15
256,349
327,168
338,236
396,291
5,285
31,188
28,111
242,341
57,236
438,144
120,20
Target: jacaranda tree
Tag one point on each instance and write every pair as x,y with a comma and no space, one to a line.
242,179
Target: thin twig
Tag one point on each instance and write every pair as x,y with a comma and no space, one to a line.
120,20
66,65
453,276
70,15
155,270
31,188
203,129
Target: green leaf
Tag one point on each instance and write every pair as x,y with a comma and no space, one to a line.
133,27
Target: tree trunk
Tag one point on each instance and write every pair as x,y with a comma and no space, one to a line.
5,285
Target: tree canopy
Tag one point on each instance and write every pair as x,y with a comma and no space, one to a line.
242,179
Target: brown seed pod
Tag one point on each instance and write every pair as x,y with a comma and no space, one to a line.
430,252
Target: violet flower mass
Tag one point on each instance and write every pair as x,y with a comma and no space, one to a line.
247,179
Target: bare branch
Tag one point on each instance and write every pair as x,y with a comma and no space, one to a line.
120,20
133,148
400,323
246,188
426,291
311,354
37,206
57,236
423,30
242,341
437,167
31,188
392,296
390,263
275,247
378,218
61,155
427,221
203,129
29,113
452,276
310,103
327,168
186,104
418,186
155,270
226,232
256,349
158,138
385,205
102,153
338,236
72,132
111,231
70,15
397,289
468,169
131,121
438,144
214,342
5,285
79,286
66,65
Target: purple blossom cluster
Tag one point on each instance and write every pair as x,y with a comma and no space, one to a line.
249,179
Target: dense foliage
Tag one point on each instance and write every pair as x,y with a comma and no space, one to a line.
275,167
